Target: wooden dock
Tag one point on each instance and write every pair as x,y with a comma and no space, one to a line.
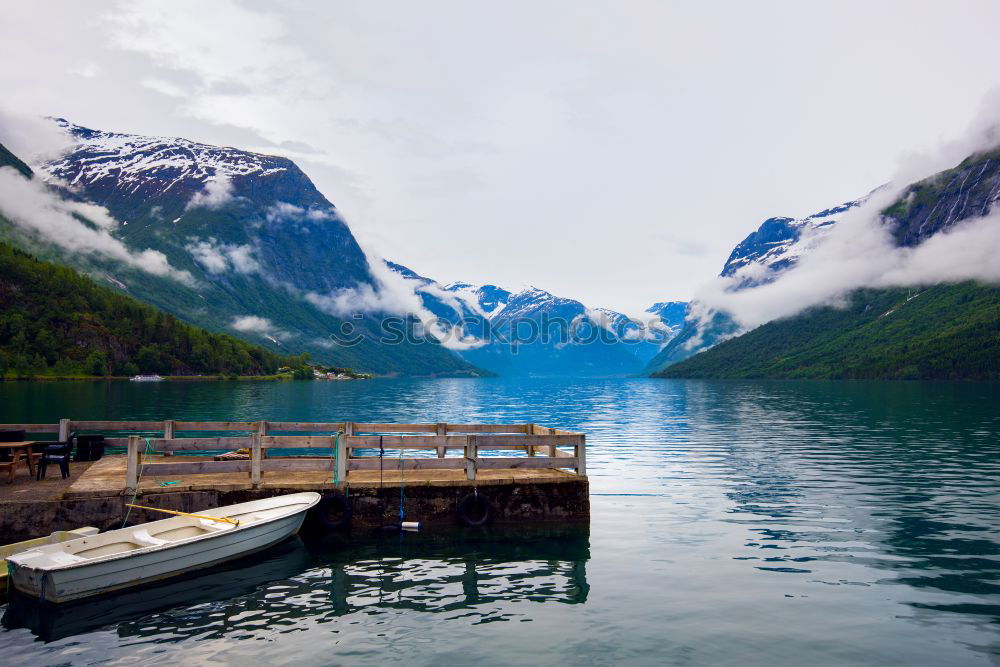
529,471
105,477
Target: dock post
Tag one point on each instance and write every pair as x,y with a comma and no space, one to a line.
348,434
63,430
263,428
255,456
342,460
471,454
442,429
546,430
581,456
168,434
529,430
132,464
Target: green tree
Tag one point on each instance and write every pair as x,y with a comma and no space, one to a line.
96,364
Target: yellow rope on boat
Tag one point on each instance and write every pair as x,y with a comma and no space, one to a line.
196,516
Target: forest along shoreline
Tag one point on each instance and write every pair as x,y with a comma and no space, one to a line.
314,373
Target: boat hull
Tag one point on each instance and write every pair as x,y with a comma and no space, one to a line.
87,580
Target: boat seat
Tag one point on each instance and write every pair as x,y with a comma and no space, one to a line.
57,557
63,558
143,537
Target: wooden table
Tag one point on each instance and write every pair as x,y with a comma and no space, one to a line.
24,446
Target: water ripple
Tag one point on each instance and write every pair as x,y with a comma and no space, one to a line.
845,523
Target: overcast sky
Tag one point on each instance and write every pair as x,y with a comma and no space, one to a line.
610,152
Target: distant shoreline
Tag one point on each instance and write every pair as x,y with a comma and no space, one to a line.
166,378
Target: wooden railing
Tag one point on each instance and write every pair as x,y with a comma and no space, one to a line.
541,444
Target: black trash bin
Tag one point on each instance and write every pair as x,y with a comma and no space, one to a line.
89,447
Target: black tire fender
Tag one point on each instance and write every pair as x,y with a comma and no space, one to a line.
333,512
475,509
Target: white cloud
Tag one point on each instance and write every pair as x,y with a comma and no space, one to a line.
392,294
969,251
364,298
983,131
208,255
284,211
859,251
607,118
252,323
242,259
97,214
607,86
459,302
454,336
164,87
34,208
217,193
88,69
259,325
172,36
218,257
32,138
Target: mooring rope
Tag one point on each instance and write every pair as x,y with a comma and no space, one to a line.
402,483
381,482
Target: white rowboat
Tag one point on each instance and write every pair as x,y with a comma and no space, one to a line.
156,550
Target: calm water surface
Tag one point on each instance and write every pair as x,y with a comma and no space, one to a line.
733,523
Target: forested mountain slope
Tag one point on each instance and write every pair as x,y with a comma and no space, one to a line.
53,321
932,331
267,257
945,332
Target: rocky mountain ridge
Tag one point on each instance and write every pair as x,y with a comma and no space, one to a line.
534,332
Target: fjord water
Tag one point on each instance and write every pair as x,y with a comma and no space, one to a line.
780,523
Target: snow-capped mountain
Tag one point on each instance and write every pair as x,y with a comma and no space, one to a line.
266,255
150,166
923,209
775,246
778,243
671,312
534,332
182,194
934,319
270,259
488,298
